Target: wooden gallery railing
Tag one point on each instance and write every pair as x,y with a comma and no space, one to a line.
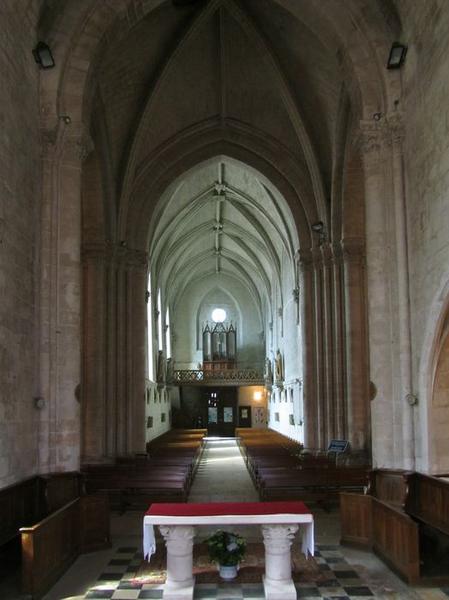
226,376
393,518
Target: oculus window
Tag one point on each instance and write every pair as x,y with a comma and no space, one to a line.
218,315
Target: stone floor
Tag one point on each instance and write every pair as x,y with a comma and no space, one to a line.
222,476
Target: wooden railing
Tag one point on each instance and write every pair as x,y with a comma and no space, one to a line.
225,377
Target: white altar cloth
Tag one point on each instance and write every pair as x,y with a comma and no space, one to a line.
304,520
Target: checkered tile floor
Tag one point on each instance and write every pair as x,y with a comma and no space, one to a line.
118,581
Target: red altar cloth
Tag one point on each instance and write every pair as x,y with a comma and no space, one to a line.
178,509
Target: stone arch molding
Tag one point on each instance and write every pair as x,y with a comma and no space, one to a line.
434,414
82,31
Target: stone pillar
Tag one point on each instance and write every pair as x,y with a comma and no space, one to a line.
179,542
278,582
406,397
339,348
319,348
328,342
389,294
356,355
95,343
60,297
306,287
114,351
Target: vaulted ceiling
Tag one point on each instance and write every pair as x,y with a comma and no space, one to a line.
222,218
276,84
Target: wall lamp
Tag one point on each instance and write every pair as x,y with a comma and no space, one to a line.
318,228
43,56
181,3
397,56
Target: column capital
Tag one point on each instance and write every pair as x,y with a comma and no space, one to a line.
131,256
326,254
304,258
337,253
71,143
179,538
107,251
374,137
353,249
279,538
371,137
396,127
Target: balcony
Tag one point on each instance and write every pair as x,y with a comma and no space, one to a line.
218,377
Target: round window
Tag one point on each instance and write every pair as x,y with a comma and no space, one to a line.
218,315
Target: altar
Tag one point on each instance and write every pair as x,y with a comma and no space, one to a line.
279,522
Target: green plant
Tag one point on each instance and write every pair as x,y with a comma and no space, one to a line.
226,549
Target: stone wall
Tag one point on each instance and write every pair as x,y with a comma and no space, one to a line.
426,157
20,175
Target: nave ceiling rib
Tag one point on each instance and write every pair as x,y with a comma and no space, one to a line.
253,234
225,16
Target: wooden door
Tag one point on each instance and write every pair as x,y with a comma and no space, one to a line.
244,416
222,411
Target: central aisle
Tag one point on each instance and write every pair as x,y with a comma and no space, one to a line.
222,475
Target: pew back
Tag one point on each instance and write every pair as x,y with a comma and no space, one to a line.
52,544
428,501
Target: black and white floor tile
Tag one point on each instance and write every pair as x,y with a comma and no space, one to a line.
118,581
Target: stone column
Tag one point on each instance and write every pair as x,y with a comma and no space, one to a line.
95,342
406,397
278,582
339,349
179,542
380,260
65,148
328,342
319,347
356,379
304,258
130,358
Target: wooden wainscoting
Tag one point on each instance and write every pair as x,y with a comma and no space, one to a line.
429,501
356,519
396,539
50,546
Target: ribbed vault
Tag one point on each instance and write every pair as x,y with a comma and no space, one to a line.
222,217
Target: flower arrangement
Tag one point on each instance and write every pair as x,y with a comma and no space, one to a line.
226,549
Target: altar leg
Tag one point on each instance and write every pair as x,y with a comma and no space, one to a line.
179,543
278,582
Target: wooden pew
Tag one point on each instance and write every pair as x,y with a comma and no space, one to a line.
51,545
428,501
164,475
401,510
44,499
29,501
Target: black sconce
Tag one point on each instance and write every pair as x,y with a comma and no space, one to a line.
397,56
43,56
